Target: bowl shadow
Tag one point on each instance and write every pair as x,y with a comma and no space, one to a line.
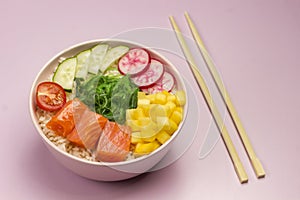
57,181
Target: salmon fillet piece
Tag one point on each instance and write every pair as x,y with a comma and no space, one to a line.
88,130
63,122
114,143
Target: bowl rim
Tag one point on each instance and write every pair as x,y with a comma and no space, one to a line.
101,163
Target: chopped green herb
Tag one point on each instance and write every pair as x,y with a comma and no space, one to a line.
109,96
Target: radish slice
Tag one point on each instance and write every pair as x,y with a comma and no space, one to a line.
166,83
151,76
134,62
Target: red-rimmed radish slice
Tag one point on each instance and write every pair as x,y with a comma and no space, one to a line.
166,83
154,89
151,76
134,62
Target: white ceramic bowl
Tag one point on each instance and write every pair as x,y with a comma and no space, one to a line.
99,170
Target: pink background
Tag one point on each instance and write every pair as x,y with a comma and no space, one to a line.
256,45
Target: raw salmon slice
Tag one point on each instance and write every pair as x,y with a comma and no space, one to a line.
114,143
74,137
63,122
88,130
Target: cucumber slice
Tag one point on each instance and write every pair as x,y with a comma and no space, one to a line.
82,64
96,58
112,55
65,73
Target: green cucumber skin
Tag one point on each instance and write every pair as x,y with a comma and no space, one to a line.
82,55
112,57
57,72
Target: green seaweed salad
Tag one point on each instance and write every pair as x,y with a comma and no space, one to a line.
109,96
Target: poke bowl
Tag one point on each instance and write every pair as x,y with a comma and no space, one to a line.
108,109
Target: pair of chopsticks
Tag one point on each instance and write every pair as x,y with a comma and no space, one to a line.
239,168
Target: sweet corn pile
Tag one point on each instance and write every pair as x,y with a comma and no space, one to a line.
155,119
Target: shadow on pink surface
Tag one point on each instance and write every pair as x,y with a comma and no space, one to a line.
44,173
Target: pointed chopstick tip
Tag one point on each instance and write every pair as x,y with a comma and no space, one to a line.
186,14
174,24
171,18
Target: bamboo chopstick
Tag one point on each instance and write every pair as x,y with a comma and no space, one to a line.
256,164
239,168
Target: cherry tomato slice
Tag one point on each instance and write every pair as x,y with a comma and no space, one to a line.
50,96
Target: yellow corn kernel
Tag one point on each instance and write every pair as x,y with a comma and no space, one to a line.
180,96
171,98
149,139
135,140
145,108
129,114
157,110
165,92
151,97
142,95
142,102
163,123
144,148
172,127
160,98
171,105
167,109
162,137
176,117
138,113
133,124
179,109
